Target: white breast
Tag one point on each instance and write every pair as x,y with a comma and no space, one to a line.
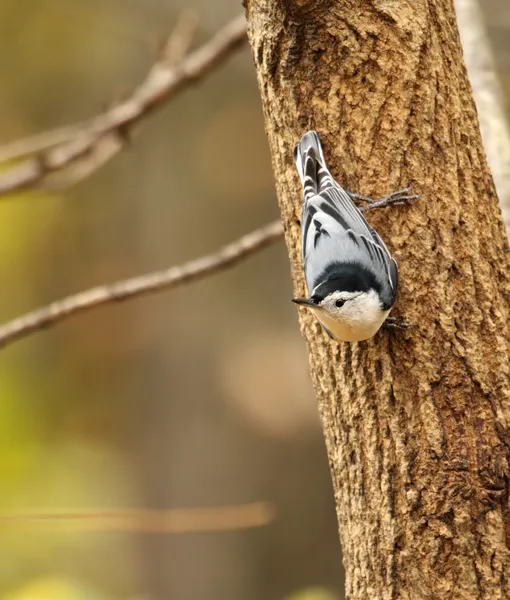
353,332
360,318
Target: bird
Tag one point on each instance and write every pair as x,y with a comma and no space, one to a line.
351,277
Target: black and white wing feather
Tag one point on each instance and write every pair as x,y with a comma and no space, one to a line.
337,240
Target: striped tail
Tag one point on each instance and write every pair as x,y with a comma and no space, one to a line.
311,165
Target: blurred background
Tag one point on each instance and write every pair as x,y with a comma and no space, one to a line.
197,397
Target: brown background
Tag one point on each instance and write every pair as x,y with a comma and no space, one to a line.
196,397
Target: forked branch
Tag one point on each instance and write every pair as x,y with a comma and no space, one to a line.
63,157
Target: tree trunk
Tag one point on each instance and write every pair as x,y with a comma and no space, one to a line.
416,422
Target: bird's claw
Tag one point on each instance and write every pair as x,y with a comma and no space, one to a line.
400,197
397,323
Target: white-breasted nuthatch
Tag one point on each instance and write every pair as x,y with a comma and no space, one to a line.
350,275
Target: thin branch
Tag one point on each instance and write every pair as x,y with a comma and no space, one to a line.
102,137
185,520
226,257
177,45
40,142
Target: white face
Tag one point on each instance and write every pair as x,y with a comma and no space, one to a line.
351,316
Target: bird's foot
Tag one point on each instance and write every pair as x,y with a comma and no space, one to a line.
397,323
400,197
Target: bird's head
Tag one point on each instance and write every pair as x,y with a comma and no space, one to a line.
348,315
352,308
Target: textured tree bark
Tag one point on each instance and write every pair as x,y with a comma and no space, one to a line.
416,422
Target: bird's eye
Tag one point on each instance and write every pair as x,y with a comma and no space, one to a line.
339,303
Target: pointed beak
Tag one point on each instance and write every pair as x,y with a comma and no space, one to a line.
305,302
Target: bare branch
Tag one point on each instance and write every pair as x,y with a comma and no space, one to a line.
57,311
40,142
185,520
178,43
65,163
226,257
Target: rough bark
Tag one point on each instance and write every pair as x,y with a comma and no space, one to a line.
416,422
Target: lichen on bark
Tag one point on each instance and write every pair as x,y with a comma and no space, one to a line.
416,422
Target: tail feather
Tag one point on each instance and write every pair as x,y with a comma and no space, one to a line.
311,165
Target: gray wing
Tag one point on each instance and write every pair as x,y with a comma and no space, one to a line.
334,230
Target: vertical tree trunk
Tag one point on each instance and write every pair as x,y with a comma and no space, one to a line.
416,422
